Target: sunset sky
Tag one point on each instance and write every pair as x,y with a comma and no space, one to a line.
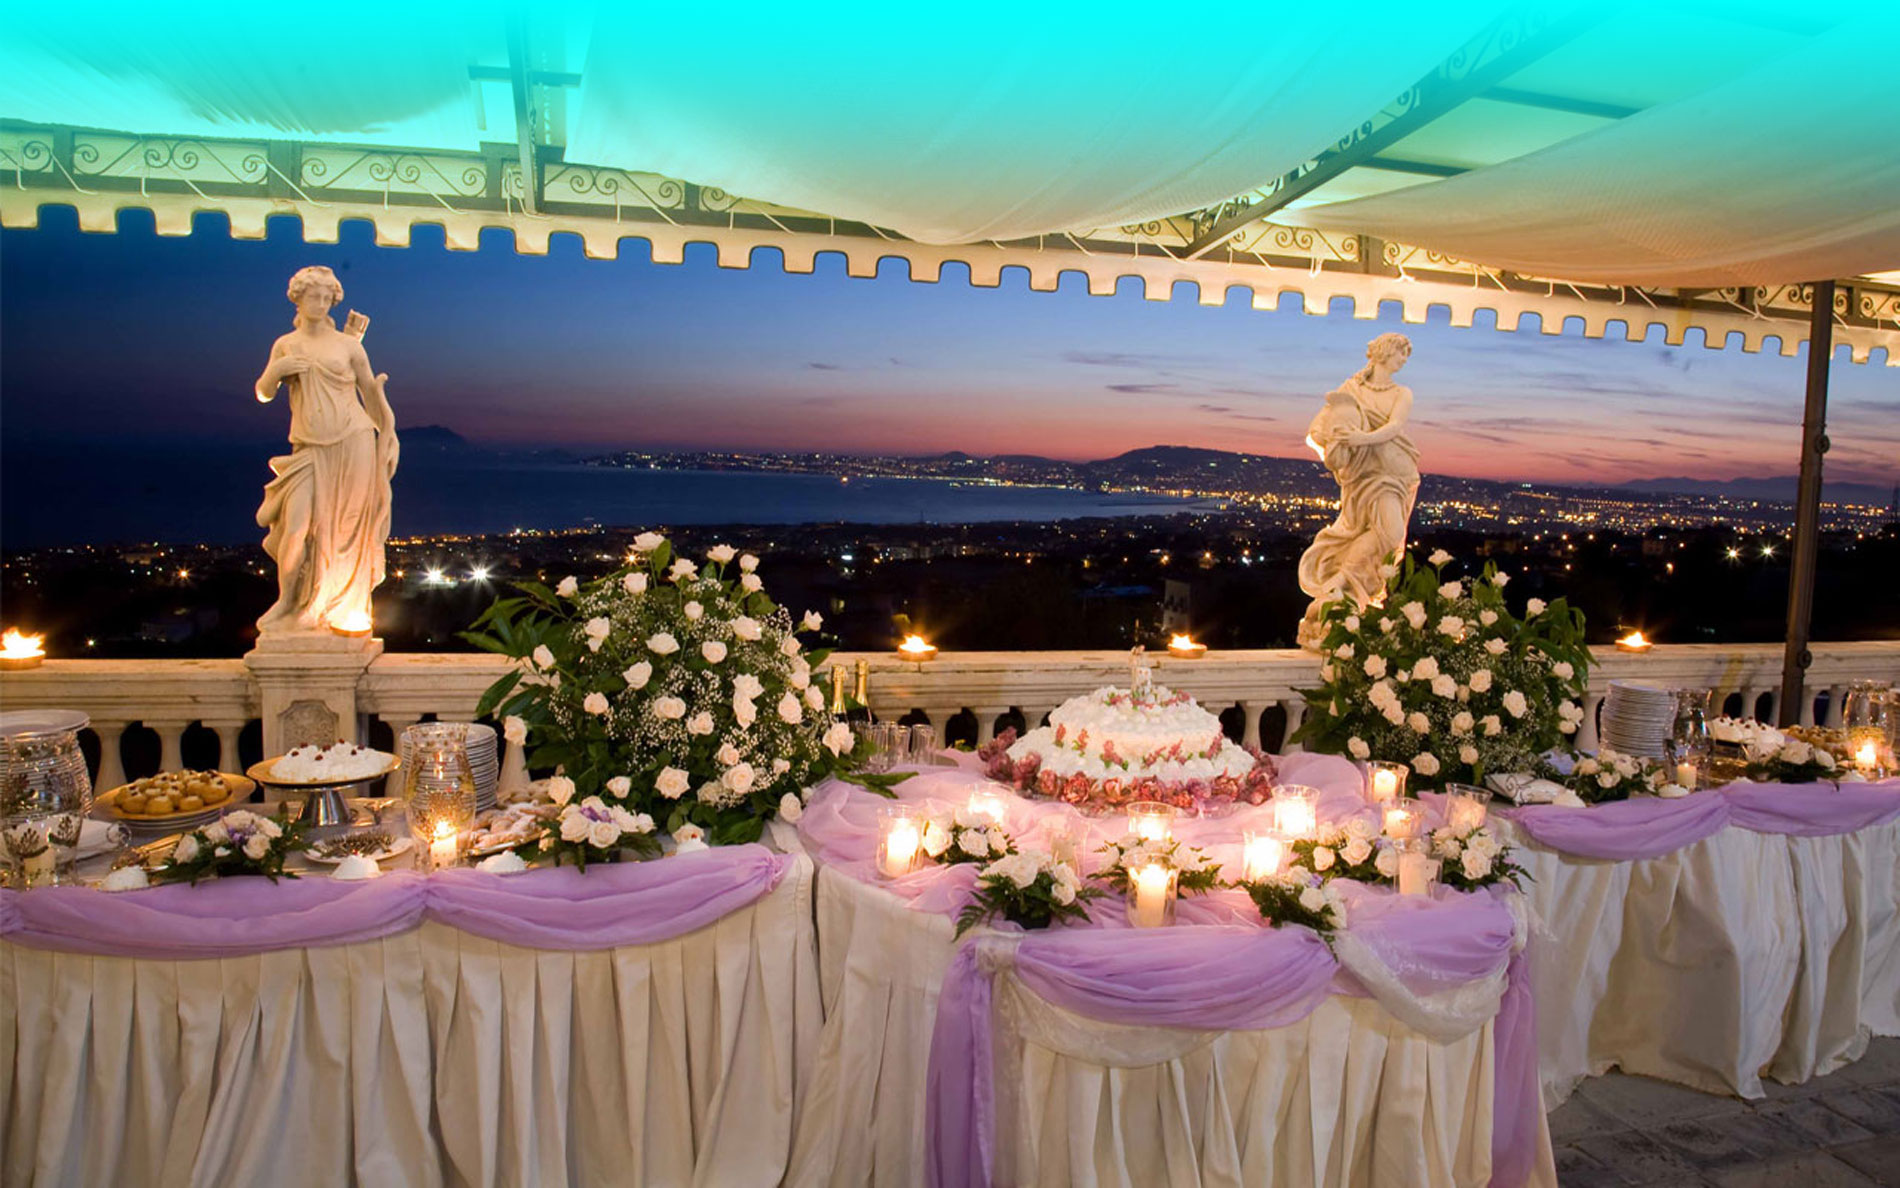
133,334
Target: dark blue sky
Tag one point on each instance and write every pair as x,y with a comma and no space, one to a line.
134,335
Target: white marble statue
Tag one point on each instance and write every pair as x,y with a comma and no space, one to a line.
326,514
1360,435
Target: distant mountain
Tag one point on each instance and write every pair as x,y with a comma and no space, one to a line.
431,437
1780,489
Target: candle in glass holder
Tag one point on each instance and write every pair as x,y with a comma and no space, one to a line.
1465,807
1865,745
1150,820
1402,821
1261,855
1151,895
902,840
1295,811
1416,871
1385,782
444,846
989,804
1687,775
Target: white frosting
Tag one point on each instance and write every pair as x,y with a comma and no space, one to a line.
505,863
341,761
126,878
356,867
1170,738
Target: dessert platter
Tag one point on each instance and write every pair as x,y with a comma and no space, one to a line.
323,775
377,845
176,801
1112,747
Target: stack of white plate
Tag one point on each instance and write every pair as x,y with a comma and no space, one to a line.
1637,718
484,762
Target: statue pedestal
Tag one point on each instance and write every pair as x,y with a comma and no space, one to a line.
307,684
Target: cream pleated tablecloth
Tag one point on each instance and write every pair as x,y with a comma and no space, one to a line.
1740,955
432,1056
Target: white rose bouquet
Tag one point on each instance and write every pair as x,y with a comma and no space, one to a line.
1473,858
1444,678
239,843
952,838
1196,874
1607,776
669,689
1296,896
1029,887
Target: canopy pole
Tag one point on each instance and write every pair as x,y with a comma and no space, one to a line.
1796,657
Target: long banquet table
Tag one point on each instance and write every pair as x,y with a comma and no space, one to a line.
1214,1052
635,1024
1710,940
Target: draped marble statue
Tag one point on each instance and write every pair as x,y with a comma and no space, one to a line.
326,513
1360,436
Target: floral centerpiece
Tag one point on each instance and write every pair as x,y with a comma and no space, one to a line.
1607,776
1196,873
239,843
1031,888
1296,896
1445,678
1355,850
667,688
965,835
1768,755
1473,857
590,829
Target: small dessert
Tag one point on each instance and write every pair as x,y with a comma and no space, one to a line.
505,863
132,802
125,878
356,867
159,805
340,762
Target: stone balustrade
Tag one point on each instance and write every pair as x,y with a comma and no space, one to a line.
1256,691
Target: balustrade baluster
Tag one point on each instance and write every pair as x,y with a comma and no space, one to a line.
986,716
1834,695
1295,714
171,736
1250,728
111,763
228,732
1751,702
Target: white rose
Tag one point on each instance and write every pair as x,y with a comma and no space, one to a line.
789,710
1444,685
811,622
662,643
1476,865
1425,669
744,711
740,777
1514,704
751,583
1824,758
694,610
747,685
1357,850
1357,748
789,646
1425,763
646,542
720,554
603,834
1323,858
713,650
1387,863
973,841
638,675
1500,579
1375,666
1451,626
1414,613
1606,779
597,629
1495,646
790,807
568,587
1063,894
670,708
514,730
727,755
1467,754
1451,591
1562,670
1487,617
672,783
1483,843
936,839
1481,681
815,697
1343,651
560,789
1394,713
681,569
1492,726
186,850
748,563
700,723
837,738
256,846
747,628
1534,607
1419,723
1352,622
1386,625
574,826
1438,557
620,785
543,658
1313,899
1462,722
269,828
781,766
634,583
217,831
594,703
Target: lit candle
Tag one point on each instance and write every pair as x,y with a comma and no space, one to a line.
1153,888
917,649
1401,822
1295,812
1867,757
19,650
1686,774
903,838
1465,807
1151,821
989,804
1183,647
1415,873
1633,642
444,846
1261,854
1386,781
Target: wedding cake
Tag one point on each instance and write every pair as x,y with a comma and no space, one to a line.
1116,746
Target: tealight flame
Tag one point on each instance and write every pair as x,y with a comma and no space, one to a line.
1181,641
916,645
1635,641
444,831
17,646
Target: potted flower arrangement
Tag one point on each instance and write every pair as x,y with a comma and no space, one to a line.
670,688
1442,676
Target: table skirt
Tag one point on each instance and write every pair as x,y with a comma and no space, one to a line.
429,1057
1741,955
1347,1096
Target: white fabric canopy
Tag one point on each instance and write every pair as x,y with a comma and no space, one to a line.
1790,172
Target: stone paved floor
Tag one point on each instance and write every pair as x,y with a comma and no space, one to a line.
1837,1131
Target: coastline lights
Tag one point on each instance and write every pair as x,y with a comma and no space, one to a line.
19,650
1635,641
1183,647
917,649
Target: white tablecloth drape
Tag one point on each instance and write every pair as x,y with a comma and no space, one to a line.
425,1058
1740,955
1346,1096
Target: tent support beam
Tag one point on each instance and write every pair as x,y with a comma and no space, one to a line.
1807,509
521,83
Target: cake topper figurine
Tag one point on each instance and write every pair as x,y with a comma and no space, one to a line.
326,513
1360,436
1141,674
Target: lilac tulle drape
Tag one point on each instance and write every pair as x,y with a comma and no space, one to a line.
605,907
1631,830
